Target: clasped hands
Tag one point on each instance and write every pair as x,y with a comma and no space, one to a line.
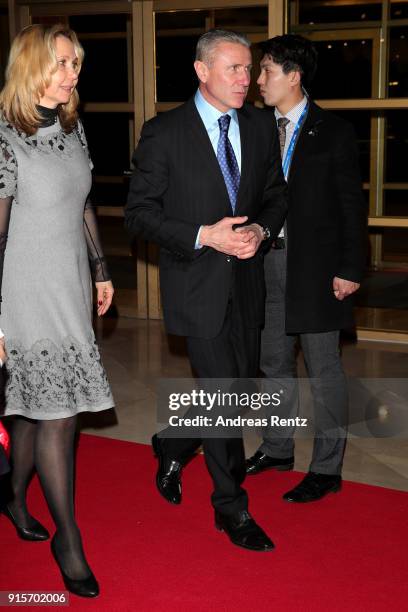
242,242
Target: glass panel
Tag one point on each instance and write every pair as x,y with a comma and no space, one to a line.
108,139
50,20
176,20
344,69
362,125
398,66
396,203
4,43
114,235
395,244
122,269
332,11
382,289
399,10
122,266
176,38
109,194
104,76
176,78
382,299
243,19
250,20
98,23
253,91
396,146
177,33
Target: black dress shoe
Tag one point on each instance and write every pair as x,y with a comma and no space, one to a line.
168,477
87,587
243,531
35,533
261,462
313,487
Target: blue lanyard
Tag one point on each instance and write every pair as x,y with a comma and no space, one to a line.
291,148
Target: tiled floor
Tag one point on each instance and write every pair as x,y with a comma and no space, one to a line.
138,353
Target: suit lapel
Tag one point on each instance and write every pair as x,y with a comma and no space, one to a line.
246,149
204,148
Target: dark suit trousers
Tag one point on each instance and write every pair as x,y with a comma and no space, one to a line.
323,364
234,353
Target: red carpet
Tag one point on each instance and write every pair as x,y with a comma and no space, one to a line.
347,552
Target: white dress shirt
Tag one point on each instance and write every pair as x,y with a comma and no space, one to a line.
293,115
209,116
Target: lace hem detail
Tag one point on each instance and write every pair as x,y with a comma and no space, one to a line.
8,169
47,379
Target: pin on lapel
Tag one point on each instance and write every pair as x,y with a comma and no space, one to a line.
313,130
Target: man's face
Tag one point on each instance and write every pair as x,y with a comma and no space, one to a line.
225,81
275,86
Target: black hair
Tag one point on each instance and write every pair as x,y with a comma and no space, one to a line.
294,53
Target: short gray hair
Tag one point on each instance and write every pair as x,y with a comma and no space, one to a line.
208,42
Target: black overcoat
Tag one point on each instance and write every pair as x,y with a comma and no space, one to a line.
326,224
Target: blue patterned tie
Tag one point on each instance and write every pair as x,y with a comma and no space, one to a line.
228,161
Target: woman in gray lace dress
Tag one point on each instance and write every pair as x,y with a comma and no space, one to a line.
54,368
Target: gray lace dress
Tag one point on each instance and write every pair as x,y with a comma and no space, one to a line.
48,246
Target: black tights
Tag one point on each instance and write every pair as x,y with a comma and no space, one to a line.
48,447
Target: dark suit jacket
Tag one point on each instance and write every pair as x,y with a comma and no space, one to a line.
177,186
326,224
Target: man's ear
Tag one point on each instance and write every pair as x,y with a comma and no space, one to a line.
201,70
295,77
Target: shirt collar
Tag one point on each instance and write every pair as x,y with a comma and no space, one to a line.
294,114
209,114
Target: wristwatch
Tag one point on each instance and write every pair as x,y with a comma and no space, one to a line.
266,232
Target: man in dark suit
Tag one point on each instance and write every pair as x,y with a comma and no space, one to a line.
201,170
312,268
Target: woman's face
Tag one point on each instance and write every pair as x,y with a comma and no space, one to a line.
65,79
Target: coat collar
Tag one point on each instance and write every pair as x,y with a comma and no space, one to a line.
309,129
314,118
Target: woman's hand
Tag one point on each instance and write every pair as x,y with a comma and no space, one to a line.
105,293
3,354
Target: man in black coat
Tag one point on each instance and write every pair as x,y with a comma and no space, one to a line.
201,170
312,268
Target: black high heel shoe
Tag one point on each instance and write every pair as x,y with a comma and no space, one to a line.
87,587
35,533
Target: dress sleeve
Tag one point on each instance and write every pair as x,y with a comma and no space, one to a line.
84,143
8,187
97,261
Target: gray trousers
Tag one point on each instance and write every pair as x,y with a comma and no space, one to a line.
327,379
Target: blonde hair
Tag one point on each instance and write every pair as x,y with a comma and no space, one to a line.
32,62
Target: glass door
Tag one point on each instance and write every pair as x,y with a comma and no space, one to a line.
363,55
